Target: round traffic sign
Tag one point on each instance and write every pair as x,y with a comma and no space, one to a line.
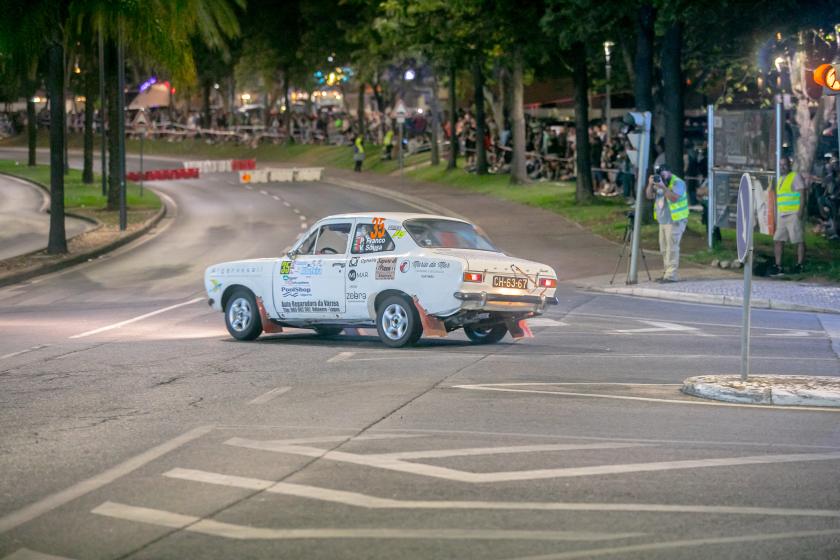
744,221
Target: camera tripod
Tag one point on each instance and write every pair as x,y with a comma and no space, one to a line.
628,241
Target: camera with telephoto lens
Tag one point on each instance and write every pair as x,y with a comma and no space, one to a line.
657,178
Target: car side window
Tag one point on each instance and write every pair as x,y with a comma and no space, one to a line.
332,239
371,238
305,248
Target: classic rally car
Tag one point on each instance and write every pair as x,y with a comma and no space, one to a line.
405,274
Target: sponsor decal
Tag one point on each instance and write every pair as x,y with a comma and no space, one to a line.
431,267
399,234
354,261
386,268
311,306
238,270
285,267
307,268
378,229
352,275
393,227
356,296
295,291
216,285
405,266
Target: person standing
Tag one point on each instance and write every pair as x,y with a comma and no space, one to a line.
358,153
790,207
670,210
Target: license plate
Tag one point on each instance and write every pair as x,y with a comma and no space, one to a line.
510,282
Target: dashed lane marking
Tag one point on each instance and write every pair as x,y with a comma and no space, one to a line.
510,388
269,395
546,322
296,211
58,499
375,502
387,462
136,319
264,192
20,352
303,225
26,554
341,357
275,197
302,218
287,204
194,524
592,553
249,187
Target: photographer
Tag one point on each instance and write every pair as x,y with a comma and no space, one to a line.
670,210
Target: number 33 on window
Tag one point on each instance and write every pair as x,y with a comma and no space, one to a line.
378,228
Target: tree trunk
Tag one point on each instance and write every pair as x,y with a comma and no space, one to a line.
584,191
453,119
113,93
360,110
31,128
643,85
434,123
807,141
480,126
672,82
57,238
518,174
287,114
90,86
206,117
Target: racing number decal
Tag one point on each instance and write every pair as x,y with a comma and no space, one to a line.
285,267
378,228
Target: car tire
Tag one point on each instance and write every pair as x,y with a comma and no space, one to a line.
328,331
487,335
242,316
398,322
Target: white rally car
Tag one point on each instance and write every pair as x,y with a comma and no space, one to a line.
405,274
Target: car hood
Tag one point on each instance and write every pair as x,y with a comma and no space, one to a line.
496,262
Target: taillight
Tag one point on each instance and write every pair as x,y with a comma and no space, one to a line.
548,282
473,277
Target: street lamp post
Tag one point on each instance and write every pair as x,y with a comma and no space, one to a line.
608,45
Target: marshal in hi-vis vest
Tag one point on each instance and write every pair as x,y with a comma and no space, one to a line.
679,209
788,200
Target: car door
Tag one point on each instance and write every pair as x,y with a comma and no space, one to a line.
312,284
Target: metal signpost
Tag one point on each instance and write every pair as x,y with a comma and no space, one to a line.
641,180
744,235
710,177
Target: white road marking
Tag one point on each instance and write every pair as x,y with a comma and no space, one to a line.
503,388
19,352
476,451
546,322
681,544
286,204
264,192
136,319
700,323
302,218
268,395
373,502
790,334
275,197
296,211
193,524
79,489
249,187
26,554
303,225
389,463
657,326
340,357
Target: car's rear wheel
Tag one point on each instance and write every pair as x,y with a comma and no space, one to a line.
398,322
485,335
242,315
328,331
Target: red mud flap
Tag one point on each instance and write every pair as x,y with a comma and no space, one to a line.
519,329
267,326
432,326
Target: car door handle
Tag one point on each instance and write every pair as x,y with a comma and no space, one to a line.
339,264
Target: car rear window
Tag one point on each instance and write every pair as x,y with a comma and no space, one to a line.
447,234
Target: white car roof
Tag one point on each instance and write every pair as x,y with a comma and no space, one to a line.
396,216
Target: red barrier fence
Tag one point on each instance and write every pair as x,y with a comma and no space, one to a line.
243,164
164,174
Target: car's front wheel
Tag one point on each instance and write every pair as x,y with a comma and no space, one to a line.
398,322
242,315
485,335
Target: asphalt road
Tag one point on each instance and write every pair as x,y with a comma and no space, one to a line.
24,226
163,438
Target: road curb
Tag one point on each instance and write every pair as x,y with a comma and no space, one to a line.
779,390
730,301
79,258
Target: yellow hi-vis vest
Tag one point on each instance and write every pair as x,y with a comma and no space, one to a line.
360,148
788,200
679,209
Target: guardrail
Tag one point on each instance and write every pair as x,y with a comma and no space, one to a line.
281,175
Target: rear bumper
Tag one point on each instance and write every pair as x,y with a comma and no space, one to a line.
484,297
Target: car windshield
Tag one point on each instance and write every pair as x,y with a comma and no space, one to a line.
447,234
